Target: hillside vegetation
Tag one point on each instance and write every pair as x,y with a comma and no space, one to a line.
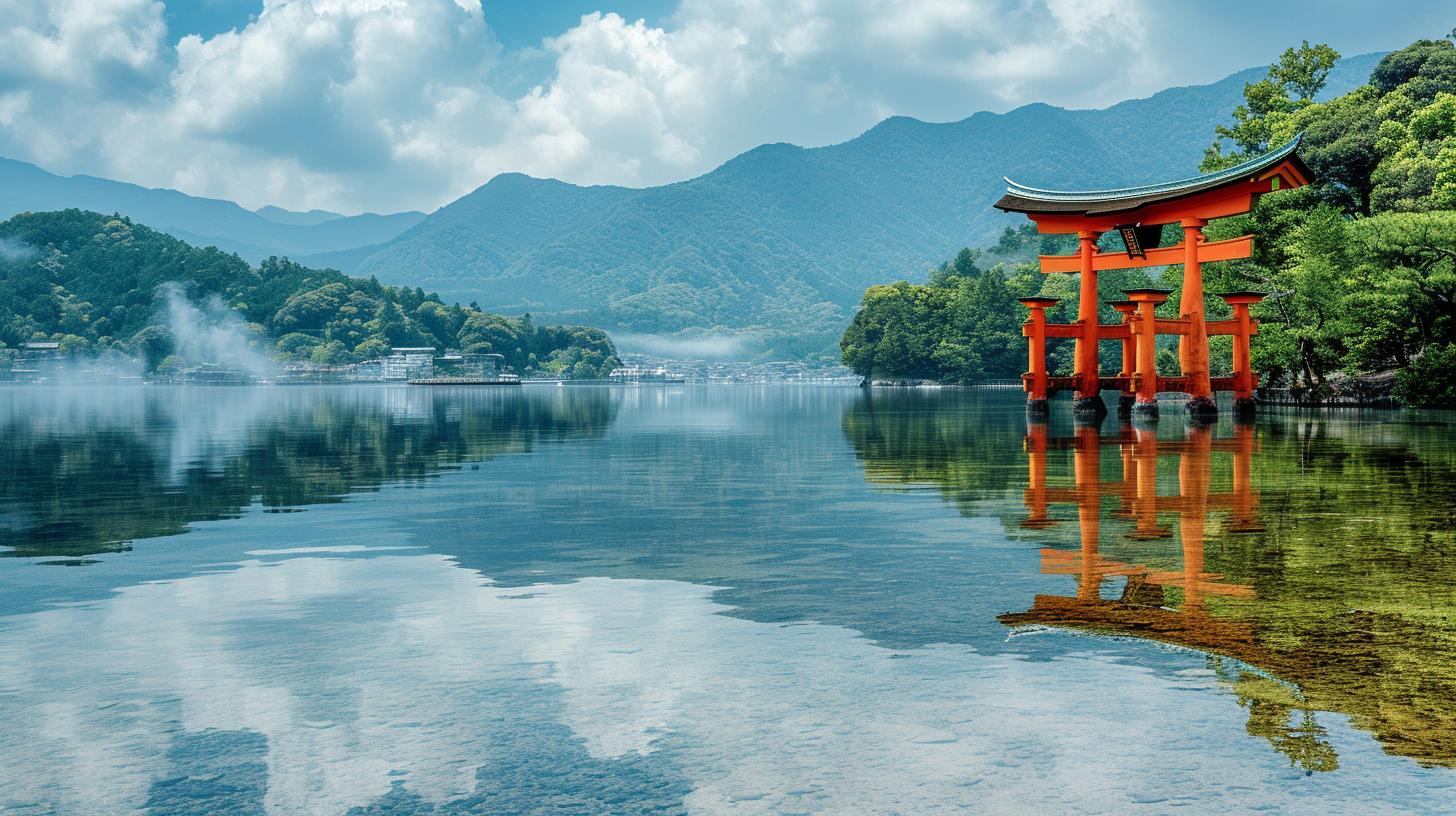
92,282
1360,266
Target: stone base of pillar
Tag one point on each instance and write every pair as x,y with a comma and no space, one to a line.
1089,407
1244,407
1037,408
1124,405
1145,410
1202,407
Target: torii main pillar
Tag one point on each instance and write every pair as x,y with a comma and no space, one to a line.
1193,345
1088,400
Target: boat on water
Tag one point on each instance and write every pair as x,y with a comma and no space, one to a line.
643,376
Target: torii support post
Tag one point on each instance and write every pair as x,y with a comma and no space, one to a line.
1245,327
1128,310
1035,378
1088,401
1193,346
1144,329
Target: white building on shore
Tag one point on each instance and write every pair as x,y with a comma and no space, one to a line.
410,361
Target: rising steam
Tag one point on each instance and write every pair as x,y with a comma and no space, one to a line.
210,332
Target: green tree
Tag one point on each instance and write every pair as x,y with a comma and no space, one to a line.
1423,69
1430,381
1300,71
440,321
310,311
153,344
73,344
962,267
296,346
896,332
964,326
1305,69
1314,295
490,333
1401,297
331,353
372,349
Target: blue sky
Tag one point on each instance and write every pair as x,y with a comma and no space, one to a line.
519,24
359,105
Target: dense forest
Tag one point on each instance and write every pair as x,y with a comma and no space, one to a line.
93,282
964,325
1360,266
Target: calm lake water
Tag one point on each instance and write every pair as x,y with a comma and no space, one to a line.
717,599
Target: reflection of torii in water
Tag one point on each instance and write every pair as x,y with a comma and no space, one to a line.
1140,611
1137,491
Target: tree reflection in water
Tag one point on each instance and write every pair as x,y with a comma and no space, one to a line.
1144,607
1311,556
1292,654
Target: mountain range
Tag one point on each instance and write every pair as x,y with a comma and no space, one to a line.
254,235
778,243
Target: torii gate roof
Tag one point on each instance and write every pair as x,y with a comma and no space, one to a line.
1023,199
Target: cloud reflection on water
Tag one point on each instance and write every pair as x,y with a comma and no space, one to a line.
351,669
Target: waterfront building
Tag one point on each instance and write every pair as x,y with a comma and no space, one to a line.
484,365
407,362
368,371
35,359
633,374
471,363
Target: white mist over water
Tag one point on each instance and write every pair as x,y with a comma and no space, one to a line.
91,367
212,333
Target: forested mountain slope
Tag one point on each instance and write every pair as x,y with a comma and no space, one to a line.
784,239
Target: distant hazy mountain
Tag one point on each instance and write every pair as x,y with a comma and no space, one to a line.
787,238
201,221
278,215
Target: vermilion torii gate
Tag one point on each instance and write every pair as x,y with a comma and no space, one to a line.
1138,214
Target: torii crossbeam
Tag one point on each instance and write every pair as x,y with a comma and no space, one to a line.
1138,214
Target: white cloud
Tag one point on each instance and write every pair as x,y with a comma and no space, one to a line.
386,104
59,59
80,43
354,673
